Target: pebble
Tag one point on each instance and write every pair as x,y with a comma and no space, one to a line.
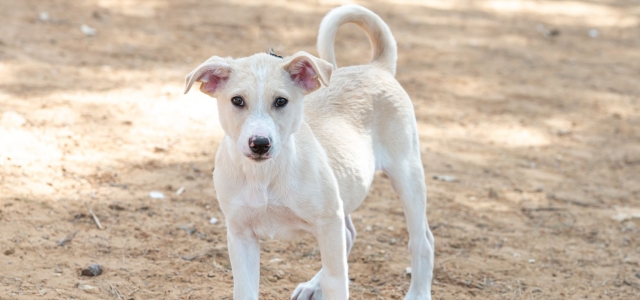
493,193
85,287
88,31
407,270
213,221
593,33
44,16
275,260
445,178
531,260
92,270
180,191
156,195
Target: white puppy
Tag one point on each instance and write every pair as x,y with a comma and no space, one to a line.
298,157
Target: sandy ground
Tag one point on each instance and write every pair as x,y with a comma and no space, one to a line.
532,106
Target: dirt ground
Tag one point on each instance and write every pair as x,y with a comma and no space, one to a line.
531,106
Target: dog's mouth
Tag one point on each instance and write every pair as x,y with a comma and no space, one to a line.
259,158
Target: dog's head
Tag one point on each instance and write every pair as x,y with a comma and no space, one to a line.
260,97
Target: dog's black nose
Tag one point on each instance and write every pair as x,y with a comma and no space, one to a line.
259,144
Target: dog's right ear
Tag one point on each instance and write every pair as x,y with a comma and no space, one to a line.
213,74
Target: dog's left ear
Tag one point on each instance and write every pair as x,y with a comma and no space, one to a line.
308,71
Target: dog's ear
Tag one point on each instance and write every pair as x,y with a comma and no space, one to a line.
213,73
308,71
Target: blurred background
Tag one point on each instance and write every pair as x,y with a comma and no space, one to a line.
529,119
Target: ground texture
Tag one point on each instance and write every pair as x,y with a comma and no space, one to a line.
531,107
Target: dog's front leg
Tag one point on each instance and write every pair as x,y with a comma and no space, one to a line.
333,250
244,253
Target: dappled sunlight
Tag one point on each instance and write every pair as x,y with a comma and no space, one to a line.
566,12
142,120
515,136
146,9
553,12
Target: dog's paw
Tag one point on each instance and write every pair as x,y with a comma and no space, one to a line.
307,291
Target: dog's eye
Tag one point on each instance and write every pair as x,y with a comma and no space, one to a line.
281,102
237,101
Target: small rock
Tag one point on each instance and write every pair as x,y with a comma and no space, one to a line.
531,260
213,221
12,119
445,178
593,33
493,194
368,228
42,292
553,32
88,31
188,230
392,241
67,239
10,251
44,16
374,279
156,195
58,270
92,270
180,191
85,287
390,228
211,274
279,274
407,270
275,260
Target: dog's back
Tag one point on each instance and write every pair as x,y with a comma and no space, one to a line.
364,116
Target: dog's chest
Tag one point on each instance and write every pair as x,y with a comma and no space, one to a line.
277,222
268,214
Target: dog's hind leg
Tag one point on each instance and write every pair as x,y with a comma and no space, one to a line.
311,290
407,177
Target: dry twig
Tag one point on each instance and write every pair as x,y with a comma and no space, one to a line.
64,241
95,218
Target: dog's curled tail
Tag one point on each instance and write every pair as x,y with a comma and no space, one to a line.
385,51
